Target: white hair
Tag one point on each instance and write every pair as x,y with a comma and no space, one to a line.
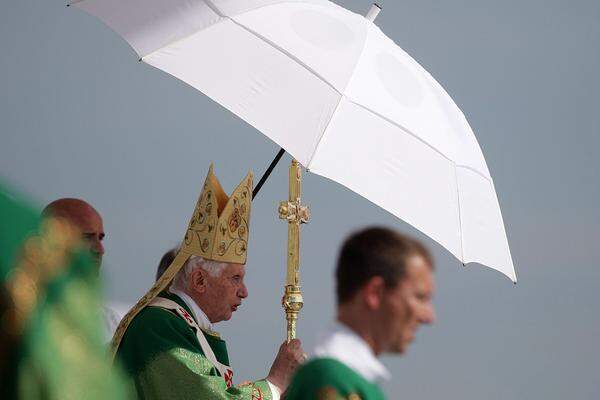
181,280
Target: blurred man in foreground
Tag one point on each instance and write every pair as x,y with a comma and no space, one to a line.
384,290
89,222
50,337
85,218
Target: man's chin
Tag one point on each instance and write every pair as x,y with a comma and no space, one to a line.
97,263
228,316
399,347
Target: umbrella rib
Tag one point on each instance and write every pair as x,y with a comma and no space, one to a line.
285,52
324,131
342,96
255,34
215,9
396,124
262,38
474,171
419,139
460,232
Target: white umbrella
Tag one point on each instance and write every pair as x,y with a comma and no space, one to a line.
340,96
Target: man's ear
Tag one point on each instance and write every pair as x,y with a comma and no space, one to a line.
373,292
197,281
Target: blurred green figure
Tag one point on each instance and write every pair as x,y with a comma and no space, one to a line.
51,334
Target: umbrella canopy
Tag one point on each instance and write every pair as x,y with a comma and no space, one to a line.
340,96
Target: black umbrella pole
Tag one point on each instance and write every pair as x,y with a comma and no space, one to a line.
267,173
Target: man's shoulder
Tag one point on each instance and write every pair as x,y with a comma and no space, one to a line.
157,329
321,375
330,369
153,318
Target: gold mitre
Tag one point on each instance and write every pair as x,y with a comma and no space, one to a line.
218,230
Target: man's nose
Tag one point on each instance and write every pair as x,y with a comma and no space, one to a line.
97,247
428,315
243,292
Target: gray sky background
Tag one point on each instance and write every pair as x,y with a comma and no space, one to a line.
79,116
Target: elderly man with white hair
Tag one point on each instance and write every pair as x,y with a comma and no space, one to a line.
167,343
213,290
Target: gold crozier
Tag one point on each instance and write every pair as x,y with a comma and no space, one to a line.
296,214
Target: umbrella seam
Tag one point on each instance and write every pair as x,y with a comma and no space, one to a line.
324,131
171,43
262,38
411,222
217,11
460,229
342,96
417,137
211,5
475,172
404,130
285,52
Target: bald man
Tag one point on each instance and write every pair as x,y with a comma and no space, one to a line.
83,216
88,220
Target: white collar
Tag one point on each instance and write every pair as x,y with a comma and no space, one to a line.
197,313
343,344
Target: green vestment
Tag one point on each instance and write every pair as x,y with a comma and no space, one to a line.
164,359
329,379
51,342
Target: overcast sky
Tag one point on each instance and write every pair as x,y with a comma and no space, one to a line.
79,116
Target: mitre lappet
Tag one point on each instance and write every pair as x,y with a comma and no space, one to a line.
218,230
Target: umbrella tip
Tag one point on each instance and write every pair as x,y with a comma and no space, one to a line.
373,12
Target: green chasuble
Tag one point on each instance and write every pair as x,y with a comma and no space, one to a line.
164,359
329,379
